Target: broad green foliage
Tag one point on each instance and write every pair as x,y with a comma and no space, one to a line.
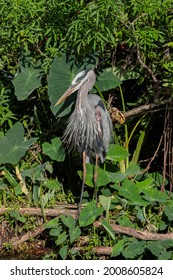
159,249
116,153
63,237
89,214
27,79
13,145
54,150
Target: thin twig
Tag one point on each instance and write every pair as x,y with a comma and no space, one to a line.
153,157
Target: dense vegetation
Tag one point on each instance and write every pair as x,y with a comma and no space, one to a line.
44,43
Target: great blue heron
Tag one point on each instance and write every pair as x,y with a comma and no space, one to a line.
89,128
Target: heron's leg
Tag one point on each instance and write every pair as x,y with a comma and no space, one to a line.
83,181
95,177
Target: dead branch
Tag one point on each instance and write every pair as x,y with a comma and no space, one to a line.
144,235
48,212
100,250
15,241
146,108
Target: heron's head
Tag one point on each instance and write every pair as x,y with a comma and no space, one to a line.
86,77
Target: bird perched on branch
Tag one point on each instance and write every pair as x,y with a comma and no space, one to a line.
89,129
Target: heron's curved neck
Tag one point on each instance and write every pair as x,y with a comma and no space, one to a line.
82,101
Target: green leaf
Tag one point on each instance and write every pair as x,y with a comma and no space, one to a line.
140,214
103,177
63,252
118,248
61,238
165,255
132,169
68,221
162,225
156,248
105,201
116,153
168,210
89,214
157,178
13,145
106,80
37,173
130,191
74,233
52,223
3,186
125,221
52,184
55,232
134,249
145,184
109,229
16,215
28,78
152,194
59,79
47,197
54,150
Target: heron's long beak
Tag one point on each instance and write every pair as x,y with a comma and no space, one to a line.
68,92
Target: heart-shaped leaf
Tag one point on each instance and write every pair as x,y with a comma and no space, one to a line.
89,214
68,221
55,150
59,79
13,145
103,177
116,153
106,80
74,233
27,79
118,248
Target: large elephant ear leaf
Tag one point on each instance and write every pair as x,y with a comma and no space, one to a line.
27,79
13,145
106,80
59,80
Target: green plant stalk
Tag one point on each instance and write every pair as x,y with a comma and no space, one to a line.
137,151
138,147
43,212
135,127
107,209
122,165
4,197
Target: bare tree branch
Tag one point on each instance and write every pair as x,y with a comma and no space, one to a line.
144,235
146,108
